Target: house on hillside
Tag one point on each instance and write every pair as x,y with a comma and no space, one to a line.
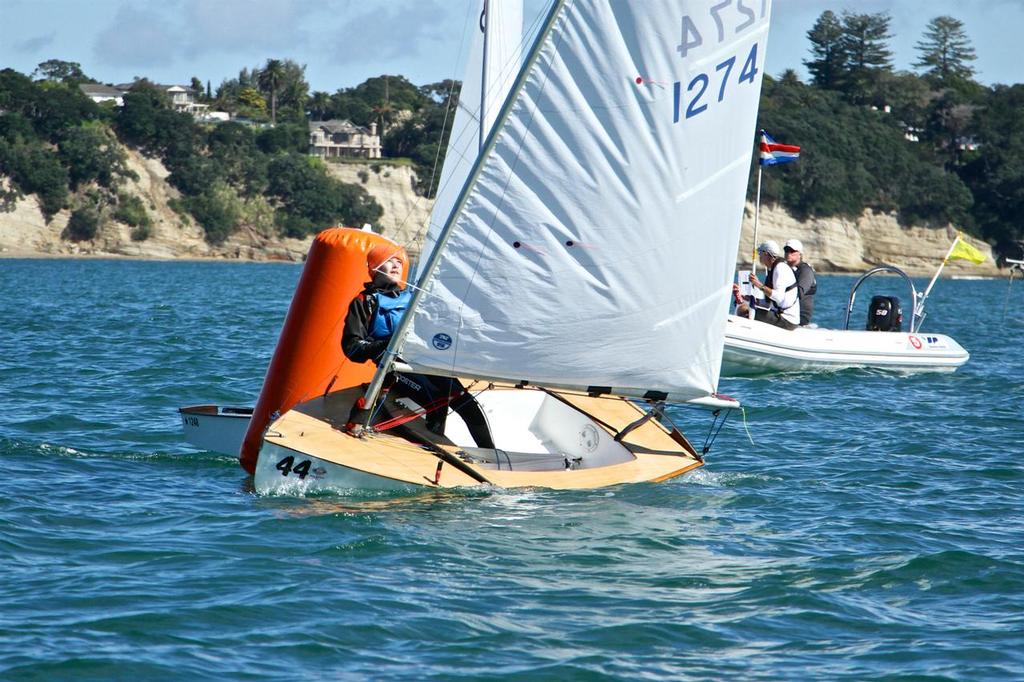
182,97
336,138
102,93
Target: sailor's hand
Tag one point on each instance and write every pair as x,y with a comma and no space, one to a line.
755,281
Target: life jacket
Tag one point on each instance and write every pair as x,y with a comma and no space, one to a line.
770,277
796,273
389,312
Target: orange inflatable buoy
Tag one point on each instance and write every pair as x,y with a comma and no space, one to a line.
308,360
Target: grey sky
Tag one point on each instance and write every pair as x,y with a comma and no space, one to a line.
343,42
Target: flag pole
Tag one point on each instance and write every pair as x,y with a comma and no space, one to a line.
757,213
919,304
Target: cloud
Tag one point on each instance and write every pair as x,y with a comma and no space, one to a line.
137,37
239,26
36,44
402,30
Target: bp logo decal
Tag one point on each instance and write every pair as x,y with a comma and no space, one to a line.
441,341
589,438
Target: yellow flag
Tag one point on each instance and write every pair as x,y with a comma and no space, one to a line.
965,251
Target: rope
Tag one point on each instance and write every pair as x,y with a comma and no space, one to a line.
743,411
712,434
424,410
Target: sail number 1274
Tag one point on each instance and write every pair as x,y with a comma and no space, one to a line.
705,89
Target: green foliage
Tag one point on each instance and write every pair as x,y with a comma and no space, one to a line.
995,175
147,123
828,64
131,211
866,52
92,154
310,200
218,210
284,137
59,70
34,169
270,80
14,126
84,224
48,105
945,52
235,158
423,137
17,92
379,100
841,170
141,233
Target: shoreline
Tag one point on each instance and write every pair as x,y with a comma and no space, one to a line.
19,254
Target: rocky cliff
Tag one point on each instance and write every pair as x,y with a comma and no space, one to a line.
841,245
831,245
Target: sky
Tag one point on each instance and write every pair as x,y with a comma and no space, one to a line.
344,42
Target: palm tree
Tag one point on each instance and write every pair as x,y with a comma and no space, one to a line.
383,110
270,79
318,105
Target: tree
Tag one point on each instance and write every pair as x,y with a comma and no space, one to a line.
828,65
35,170
217,210
319,106
995,174
91,154
841,171
287,137
310,200
251,101
270,79
945,50
83,225
197,88
294,93
64,72
864,45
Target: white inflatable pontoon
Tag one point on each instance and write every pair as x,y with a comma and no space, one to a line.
753,347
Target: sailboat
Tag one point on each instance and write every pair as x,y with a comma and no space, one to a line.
575,282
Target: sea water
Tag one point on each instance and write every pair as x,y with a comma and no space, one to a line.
859,525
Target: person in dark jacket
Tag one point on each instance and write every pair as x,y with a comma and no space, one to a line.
371,321
806,284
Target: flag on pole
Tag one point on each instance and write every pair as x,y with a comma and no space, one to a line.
964,251
773,153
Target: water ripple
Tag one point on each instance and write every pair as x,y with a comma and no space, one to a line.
872,530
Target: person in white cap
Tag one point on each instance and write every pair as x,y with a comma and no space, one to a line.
779,289
806,284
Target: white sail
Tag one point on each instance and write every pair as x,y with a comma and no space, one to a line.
597,238
494,62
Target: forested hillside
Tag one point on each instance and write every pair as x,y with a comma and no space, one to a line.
932,147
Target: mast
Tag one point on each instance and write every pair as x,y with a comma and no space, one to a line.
485,25
398,338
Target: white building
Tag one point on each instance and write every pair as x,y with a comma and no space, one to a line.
343,138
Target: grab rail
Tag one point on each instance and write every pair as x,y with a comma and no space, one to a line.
917,316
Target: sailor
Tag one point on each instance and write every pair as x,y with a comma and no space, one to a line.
780,289
806,284
373,316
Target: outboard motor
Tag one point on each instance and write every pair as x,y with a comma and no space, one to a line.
885,314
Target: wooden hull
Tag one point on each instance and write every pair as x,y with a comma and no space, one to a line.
305,451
